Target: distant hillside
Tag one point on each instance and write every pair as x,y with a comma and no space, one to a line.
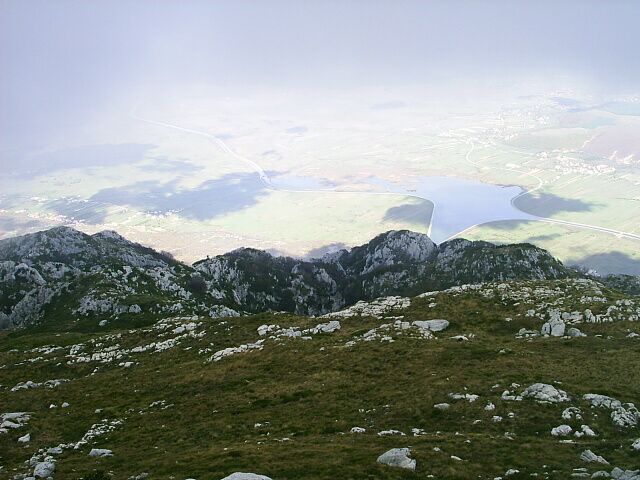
63,275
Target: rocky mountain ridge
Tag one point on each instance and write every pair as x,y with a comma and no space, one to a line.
62,272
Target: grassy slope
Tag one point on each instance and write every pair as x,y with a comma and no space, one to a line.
312,396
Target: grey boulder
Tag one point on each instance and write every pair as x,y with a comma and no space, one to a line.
590,457
245,476
100,452
545,393
436,325
398,457
44,469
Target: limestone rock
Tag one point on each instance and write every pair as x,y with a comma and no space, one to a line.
245,476
561,431
574,332
100,452
619,474
398,457
554,327
590,457
545,393
328,327
625,417
44,469
598,400
436,325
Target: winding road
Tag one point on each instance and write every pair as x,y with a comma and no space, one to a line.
266,180
538,218
264,177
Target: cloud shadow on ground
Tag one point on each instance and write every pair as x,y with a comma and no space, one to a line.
418,212
211,199
609,262
319,252
75,208
548,204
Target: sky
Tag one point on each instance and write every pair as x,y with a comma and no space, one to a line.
62,62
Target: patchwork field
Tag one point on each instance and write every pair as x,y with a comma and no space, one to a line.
199,176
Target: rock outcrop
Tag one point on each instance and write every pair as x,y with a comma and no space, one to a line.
100,274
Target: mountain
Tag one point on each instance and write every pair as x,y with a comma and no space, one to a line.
64,273
396,359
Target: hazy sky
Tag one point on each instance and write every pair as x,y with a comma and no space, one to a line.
63,61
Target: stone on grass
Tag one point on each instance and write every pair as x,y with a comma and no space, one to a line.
561,431
554,327
436,325
625,417
25,438
636,445
574,332
619,474
588,431
398,457
387,433
358,430
545,393
44,469
598,400
100,452
590,457
329,327
245,476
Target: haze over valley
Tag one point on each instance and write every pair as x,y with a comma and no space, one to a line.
205,145
319,240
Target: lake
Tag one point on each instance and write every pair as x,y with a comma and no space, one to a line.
459,203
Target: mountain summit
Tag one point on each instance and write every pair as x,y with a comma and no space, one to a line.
68,273
124,363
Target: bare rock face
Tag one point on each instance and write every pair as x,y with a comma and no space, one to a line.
396,247
555,327
561,431
245,476
623,415
545,393
436,325
398,457
100,452
39,270
44,469
590,457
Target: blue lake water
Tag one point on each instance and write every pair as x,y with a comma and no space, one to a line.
459,203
